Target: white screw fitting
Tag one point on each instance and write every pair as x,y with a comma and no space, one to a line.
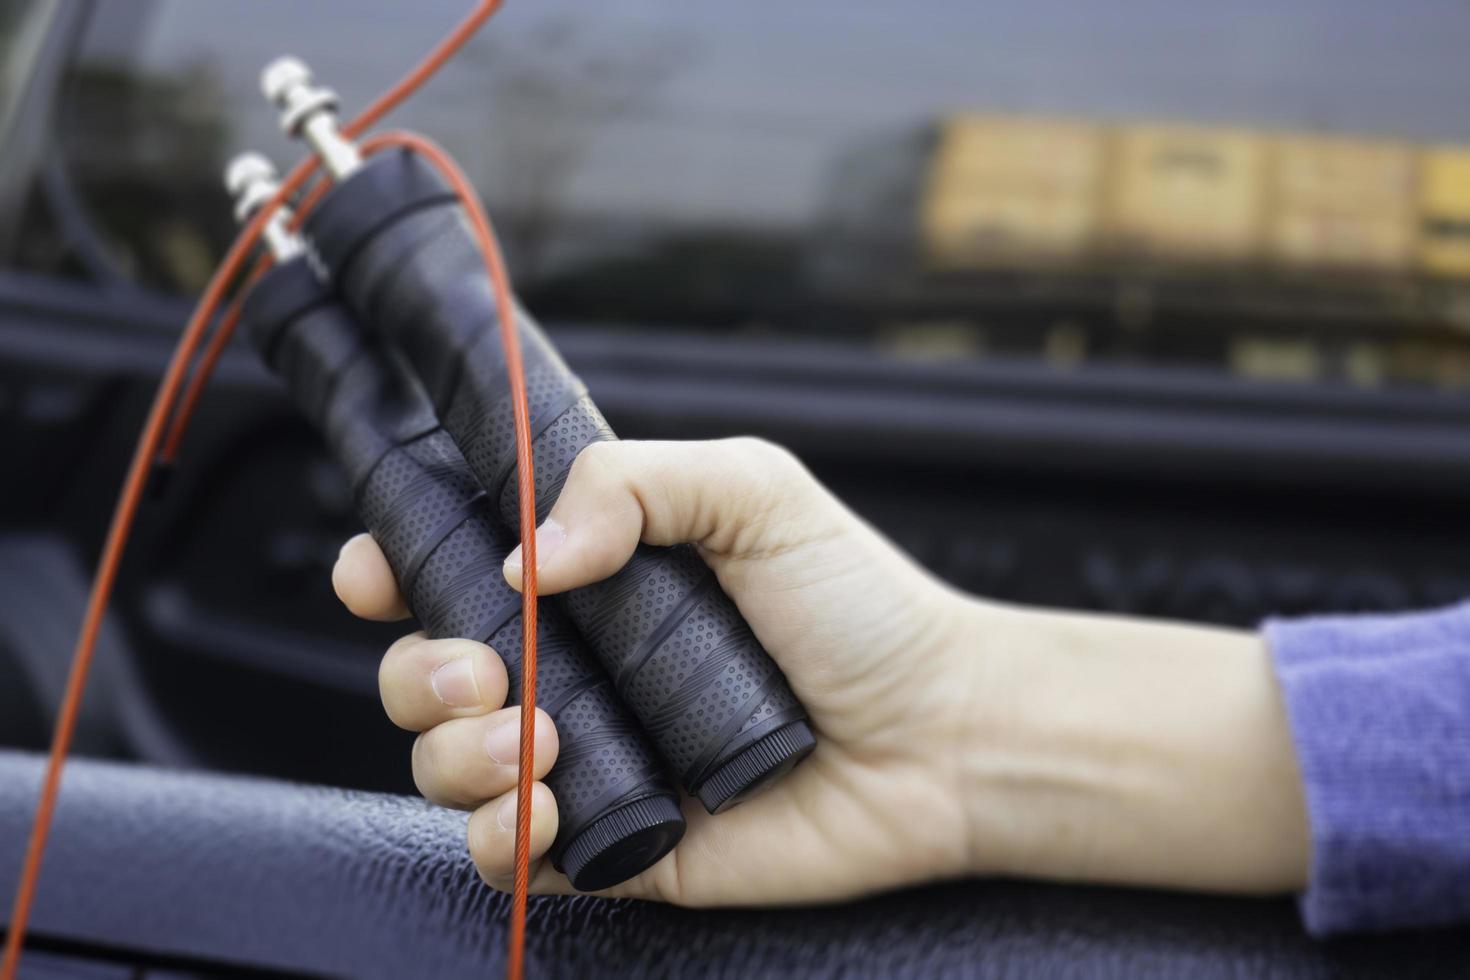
309,111
251,180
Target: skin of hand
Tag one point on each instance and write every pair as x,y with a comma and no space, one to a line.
955,736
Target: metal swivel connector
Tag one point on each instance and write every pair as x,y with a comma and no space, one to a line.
251,180
309,111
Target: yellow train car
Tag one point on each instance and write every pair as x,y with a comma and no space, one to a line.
1342,204
1285,253
1011,191
1444,212
996,193
1187,193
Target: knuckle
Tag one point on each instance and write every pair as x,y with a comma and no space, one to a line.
406,642
392,708
390,680
491,874
489,849
548,743
766,455
427,763
596,461
496,688
775,477
501,883
416,765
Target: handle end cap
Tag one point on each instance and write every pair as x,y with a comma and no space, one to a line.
760,764
620,844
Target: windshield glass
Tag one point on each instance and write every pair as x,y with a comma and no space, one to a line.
1273,191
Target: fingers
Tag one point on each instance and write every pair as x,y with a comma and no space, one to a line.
733,497
425,682
466,761
492,835
365,583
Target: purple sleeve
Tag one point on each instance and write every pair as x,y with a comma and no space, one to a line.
1380,713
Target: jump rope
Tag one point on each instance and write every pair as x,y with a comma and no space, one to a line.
168,421
651,673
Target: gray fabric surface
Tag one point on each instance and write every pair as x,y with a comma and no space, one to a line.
250,871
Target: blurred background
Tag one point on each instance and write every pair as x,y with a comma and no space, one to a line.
1149,307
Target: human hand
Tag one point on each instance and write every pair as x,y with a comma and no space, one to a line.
867,640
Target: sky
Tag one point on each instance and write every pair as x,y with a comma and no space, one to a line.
762,96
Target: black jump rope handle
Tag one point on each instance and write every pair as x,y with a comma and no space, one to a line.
395,242
618,811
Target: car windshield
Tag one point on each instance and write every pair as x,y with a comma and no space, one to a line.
1274,191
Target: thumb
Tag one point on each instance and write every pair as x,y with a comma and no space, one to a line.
731,497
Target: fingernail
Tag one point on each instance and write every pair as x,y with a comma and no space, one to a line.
505,813
454,683
549,537
503,742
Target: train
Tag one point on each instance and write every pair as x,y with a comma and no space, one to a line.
1161,238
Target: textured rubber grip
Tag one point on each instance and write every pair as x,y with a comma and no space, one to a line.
413,490
397,245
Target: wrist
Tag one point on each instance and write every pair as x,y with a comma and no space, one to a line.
1016,818
1116,750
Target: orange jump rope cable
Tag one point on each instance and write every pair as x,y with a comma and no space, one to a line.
199,378
220,339
526,488
142,461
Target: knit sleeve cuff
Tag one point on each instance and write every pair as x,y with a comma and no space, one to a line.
1379,707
